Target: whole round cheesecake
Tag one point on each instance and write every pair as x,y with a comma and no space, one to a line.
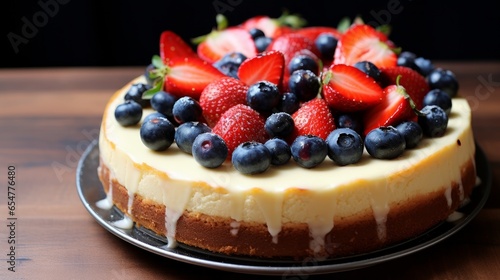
288,210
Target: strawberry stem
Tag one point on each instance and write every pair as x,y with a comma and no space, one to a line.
401,90
292,20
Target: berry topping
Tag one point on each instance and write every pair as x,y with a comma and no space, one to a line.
314,32
349,120
412,132
256,33
153,115
326,44
262,43
444,80
251,158
263,96
407,59
414,83
274,27
221,95
163,102
303,62
362,42
230,63
186,109
385,142
305,84
313,118
280,151
187,132
135,93
157,133
309,150
128,113
440,98
265,66
369,69
279,125
173,46
209,150
433,121
289,103
348,89
345,146
240,124
425,66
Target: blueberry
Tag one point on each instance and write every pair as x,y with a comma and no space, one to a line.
261,43
412,132
230,63
407,59
135,93
349,120
385,142
345,146
256,33
289,103
326,44
279,125
303,62
153,115
369,69
425,66
251,158
443,79
263,96
163,102
157,133
305,84
128,113
433,121
309,150
187,132
280,151
186,109
209,150
438,97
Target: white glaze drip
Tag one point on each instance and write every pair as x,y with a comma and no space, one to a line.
447,195
125,223
107,202
171,218
130,202
478,181
235,227
455,216
380,206
271,207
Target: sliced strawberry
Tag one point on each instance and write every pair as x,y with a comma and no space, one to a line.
173,46
265,66
220,42
348,89
362,42
189,76
312,32
394,108
414,83
219,96
313,117
239,124
274,27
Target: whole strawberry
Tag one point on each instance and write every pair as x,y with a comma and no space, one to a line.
240,124
415,84
313,118
221,95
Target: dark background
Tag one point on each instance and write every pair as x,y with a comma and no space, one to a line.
125,33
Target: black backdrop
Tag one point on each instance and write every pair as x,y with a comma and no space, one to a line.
45,33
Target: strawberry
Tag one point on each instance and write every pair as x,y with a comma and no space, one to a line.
348,89
189,76
173,46
265,66
274,27
415,84
239,124
219,96
220,42
361,42
312,32
396,107
314,118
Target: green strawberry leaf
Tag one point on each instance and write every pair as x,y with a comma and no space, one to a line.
157,86
157,62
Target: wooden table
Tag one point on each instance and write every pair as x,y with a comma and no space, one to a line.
49,116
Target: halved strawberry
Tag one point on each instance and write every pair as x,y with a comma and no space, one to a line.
219,96
239,124
220,42
189,76
348,89
312,32
274,27
361,42
264,66
394,108
414,83
313,117
173,46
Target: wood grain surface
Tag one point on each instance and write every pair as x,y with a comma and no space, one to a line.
49,116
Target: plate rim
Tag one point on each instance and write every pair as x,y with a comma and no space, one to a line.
298,266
